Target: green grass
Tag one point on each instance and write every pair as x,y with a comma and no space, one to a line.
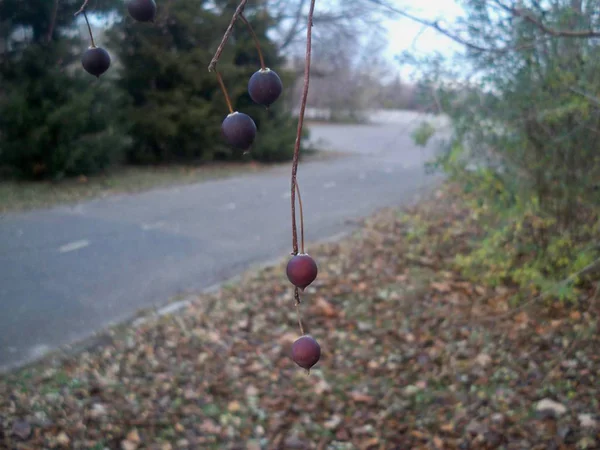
26,195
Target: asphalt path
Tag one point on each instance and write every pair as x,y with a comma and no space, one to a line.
70,271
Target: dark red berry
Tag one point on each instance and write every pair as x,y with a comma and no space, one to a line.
265,87
306,352
96,61
239,130
301,270
142,10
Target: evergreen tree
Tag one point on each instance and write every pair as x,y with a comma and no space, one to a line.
55,119
175,106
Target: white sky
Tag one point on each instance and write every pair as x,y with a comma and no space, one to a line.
404,34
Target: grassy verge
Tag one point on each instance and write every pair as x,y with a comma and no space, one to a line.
20,196
413,356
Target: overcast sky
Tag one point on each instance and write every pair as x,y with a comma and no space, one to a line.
405,34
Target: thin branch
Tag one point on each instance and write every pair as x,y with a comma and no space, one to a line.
256,42
301,218
52,21
300,123
528,17
224,92
89,29
82,9
238,12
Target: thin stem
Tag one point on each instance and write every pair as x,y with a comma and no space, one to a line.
236,14
89,29
300,123
52,21
256,42
224,92
82,9
299,316
301,218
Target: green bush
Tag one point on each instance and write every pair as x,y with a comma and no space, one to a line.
53,124
55,119
175,106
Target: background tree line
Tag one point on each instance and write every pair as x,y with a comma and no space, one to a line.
525,138
157,104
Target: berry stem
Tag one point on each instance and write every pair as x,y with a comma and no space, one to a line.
256,42
239,10
301,218
300,123
89,29
299,316
224,92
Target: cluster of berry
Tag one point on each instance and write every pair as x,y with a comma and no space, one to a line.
96,60
239,130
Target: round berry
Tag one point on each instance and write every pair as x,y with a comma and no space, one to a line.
239,130
96,61
142,10
301,270
265,87
306,352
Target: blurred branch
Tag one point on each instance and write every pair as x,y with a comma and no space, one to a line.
239,10
52,21
532,19
295,26
82,9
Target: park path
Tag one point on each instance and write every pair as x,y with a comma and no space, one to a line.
70,271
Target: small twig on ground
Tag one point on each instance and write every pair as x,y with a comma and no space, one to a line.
238,12
564,354
299,316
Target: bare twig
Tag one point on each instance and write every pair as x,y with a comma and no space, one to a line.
52,21
256,42
82,9
238,12
300,123
532,19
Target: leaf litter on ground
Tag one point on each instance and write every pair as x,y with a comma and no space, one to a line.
406,361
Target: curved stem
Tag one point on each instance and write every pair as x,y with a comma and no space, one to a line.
301,218
300,123
224,92
89,28
256,42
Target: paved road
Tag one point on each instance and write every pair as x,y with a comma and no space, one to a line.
72,270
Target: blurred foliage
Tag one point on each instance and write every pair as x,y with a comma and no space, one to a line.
157,103
54,121
174,104
525,144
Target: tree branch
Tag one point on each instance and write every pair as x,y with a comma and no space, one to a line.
239,10
532,19
52,21
82,9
